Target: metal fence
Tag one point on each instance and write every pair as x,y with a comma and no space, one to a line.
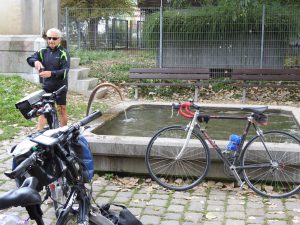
176,38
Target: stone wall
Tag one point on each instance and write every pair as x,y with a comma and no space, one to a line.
14,49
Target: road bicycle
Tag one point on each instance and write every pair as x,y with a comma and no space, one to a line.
178,157
52,154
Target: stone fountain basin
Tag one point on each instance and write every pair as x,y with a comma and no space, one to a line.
126,154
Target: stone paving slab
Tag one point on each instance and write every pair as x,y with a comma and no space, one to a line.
207,204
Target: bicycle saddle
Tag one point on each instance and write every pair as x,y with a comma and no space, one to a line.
258,110
24,196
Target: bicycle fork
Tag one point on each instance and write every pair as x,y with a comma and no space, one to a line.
190,128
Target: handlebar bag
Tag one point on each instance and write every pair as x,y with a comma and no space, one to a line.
83,151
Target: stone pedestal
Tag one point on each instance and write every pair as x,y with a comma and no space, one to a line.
14,49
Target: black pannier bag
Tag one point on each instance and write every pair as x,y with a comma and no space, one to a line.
124,217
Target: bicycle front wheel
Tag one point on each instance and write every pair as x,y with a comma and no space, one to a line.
271,164
70,220
169,170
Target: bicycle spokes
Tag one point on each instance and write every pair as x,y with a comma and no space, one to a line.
271,164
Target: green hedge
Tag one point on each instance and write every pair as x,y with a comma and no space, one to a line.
208,22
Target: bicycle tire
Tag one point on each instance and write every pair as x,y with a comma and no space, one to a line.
182,174
100,220
70,220
279,179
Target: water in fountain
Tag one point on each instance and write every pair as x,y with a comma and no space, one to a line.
146,120
127,120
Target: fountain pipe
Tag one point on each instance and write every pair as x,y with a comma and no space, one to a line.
92,96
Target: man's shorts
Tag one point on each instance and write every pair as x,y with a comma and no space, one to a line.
61,98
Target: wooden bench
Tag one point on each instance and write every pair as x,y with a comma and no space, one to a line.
167,76
266,78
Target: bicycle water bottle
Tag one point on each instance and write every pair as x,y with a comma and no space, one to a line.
234,141
59,193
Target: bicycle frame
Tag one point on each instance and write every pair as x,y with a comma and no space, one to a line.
51,116
231,165
84,205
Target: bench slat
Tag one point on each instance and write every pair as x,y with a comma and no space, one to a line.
265,71
283,77
165,84
170,76
170,70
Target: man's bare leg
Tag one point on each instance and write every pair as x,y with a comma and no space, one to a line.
41,122
63,116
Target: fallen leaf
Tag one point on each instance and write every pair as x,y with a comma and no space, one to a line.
210,216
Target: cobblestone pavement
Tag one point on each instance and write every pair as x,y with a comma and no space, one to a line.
210,203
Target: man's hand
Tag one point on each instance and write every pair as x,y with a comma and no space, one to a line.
38,65
45,74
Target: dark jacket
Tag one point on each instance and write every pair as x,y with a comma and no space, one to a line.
56,60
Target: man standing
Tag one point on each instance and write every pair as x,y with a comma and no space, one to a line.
53,64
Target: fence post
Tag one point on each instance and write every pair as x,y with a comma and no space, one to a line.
79,35
138,34
113,34
262,36
67,27
127,36
161,36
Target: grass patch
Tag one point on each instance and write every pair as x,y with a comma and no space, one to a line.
113,66
12,89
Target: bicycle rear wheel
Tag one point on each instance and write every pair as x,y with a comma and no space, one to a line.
272,164
177,174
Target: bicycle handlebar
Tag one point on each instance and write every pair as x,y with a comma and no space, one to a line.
184,109
63,88
37,110
21,167
32,112
81,123
90,118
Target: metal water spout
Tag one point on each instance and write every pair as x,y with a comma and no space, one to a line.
93,94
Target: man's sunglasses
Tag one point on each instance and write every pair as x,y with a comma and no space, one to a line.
53,38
